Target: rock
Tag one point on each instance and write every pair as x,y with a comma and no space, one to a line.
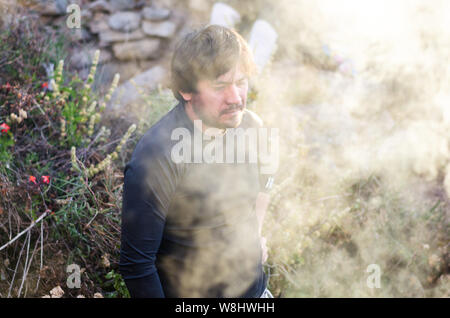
100,5
44,19
86,15
263,42
127,93
83,58
155,14
183,29
48,7
46,296
200,5
105,260
99,23
166,3
57,22
124,21
7,16
148,64
57,292
164,29
223,14
119,5
81,296
98,295
142,49
75,35
109,36
126,70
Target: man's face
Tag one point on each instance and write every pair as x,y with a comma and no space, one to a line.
220,103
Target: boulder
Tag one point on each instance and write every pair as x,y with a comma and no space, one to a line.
110,36
124,21
83,58
76,35
53,8
119,5
100,5
155,14
126,69
127,93
86,15
99,23
223,14
141,49
57,292
165,29
263,42
202,6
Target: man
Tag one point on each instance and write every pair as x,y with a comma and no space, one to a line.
192,228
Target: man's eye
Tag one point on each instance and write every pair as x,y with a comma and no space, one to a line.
242,82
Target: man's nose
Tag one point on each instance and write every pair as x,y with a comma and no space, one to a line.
232,95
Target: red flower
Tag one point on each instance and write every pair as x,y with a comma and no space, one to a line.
45,179
4,128
45,85
7,86
32,179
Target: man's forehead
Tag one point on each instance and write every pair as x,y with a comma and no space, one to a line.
231,76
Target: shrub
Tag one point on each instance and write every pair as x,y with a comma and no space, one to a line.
58,168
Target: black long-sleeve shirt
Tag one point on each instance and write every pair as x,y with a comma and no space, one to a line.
189,229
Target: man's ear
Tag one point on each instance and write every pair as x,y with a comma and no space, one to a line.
186,96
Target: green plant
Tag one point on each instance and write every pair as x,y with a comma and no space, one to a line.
118,283
25,47
44,123
6,141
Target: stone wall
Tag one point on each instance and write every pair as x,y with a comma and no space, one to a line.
133,35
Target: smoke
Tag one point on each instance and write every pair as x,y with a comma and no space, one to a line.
384,106
361,93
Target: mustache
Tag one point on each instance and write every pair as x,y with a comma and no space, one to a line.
232,109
